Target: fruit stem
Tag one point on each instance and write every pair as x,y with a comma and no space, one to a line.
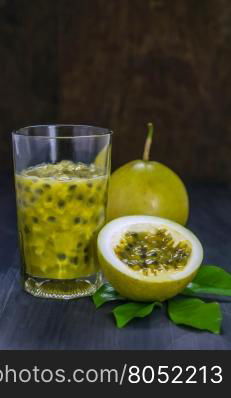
148,142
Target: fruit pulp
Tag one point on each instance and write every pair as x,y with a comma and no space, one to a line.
61,207
153,253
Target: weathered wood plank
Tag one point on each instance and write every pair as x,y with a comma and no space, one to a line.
31,323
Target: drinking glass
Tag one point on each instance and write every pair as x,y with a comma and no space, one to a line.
61,179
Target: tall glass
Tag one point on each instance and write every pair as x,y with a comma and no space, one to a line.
61,178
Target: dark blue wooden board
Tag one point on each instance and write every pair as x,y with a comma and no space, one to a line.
31,323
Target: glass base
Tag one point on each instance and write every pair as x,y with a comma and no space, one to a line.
63,289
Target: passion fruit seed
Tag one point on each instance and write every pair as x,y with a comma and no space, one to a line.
152,253
61,203
74,260
26,229
72,187
39,191
61,256
77,220
51,218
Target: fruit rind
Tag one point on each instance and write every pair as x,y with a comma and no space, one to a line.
147,187
137,293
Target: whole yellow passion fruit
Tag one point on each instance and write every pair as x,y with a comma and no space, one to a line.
147,187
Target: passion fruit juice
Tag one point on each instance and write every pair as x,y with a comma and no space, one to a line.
61,207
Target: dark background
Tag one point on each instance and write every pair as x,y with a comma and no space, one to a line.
120,64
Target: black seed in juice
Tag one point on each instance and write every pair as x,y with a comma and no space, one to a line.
35,220
91,201
46,186
72,187
61,256
79,197
86,259
89,184
61,203
51,218
49,199
79,244
74,260
39,191
26,229
77,220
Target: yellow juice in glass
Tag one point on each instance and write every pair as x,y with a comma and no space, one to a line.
61,208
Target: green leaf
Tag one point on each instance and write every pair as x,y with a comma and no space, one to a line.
196,313
126,312
104,294
210,280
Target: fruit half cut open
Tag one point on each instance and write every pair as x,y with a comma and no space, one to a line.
148,258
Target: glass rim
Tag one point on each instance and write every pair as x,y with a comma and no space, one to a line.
22,131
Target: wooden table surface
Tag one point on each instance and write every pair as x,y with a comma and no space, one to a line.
32,323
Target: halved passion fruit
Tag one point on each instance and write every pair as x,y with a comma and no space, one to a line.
148,258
